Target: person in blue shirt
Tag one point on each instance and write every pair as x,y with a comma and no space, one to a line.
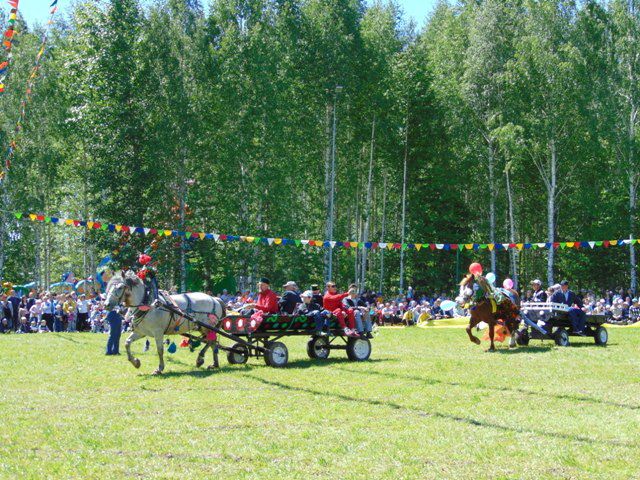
115,329
577,317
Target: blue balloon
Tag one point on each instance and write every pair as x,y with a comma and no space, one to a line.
491,278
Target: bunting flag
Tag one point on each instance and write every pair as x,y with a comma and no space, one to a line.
191,234
31,79
7,42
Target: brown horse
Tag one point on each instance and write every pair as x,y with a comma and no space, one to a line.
508,311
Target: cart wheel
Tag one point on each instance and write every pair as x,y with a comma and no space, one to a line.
561,337
358,349
278,355
318,347
602,336
522,338
238,358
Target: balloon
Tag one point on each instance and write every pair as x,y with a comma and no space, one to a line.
508,283
491,278
447,305
143,259
475,269
172,348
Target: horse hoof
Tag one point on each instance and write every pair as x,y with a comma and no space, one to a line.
157,372
476,341
199,362
213,367
136,363
490,350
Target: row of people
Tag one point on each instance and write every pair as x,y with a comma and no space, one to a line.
350,311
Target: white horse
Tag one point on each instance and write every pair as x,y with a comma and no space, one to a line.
156,322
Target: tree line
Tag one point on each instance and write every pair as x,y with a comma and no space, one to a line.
495,122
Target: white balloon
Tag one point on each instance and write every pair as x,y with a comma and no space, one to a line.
491,278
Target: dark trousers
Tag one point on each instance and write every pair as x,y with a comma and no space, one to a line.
57,324
81,324
115,329
47,317
578,319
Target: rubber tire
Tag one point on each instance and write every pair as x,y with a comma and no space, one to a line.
312,348
236,359
561,338
602,336
278,355
358,349
522,338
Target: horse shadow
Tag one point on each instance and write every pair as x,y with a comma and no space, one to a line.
435,414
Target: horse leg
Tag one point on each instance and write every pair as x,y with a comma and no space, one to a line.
513,330
492,328
160,346
214,346
132,338
472,324
200,360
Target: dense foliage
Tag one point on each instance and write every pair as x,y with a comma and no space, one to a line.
517,120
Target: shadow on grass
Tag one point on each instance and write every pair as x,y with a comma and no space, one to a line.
72,340
445,416
557,396
309,362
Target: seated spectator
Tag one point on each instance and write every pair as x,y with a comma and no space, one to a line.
24,326
359,312
311,309
267,299
386,314
33,326
4,326
332,302
290,298
43,327
317,296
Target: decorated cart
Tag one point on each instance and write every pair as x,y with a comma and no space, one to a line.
550,321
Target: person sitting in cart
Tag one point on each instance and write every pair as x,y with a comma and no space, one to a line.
317,295
538,294
309,308
577,317
332,302
357,310
290,298
267,299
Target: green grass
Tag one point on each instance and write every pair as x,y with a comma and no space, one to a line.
429,405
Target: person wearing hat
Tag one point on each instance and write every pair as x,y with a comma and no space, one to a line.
577,317
290,298
634,311
538,295
267,299
317,295
309,308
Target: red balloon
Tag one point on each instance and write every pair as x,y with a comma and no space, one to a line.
143,259
475,269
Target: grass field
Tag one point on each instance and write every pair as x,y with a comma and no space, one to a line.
428,405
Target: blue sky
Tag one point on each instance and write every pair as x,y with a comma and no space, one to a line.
37,10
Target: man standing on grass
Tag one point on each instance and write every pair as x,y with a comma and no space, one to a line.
115,329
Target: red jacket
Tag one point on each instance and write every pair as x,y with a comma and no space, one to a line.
333,302
267,302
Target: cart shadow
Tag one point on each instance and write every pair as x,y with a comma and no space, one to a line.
439,415
309,363
520,350
556,396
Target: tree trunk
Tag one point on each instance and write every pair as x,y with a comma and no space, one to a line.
633,196
514,253
367,214
384,232
3,225
551,208
404,203
327,183
492,204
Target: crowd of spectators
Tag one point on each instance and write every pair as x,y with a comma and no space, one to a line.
43,311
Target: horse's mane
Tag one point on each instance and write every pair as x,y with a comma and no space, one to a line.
466,280
128,277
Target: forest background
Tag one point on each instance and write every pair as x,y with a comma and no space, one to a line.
494,122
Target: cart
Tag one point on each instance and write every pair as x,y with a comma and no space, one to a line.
550,321
263,339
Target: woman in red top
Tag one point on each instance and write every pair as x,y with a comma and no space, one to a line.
332,301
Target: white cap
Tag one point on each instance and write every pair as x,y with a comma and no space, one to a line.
290,284
537,282
308,294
